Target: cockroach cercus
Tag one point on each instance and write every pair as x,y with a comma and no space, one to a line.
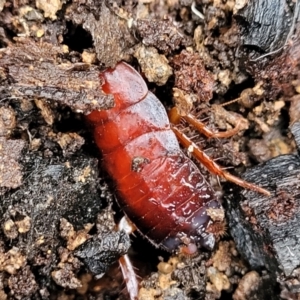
160,190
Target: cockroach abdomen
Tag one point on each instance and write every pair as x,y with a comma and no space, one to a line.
160,190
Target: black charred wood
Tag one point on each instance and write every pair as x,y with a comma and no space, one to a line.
266,229
265,24
106,248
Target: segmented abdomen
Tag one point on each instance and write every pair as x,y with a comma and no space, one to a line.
160,189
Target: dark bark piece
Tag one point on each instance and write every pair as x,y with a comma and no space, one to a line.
106,248
266,23
110,32
39,70
266,230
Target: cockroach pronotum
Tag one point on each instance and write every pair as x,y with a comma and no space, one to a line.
160,190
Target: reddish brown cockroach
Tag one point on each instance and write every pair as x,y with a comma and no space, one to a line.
160,189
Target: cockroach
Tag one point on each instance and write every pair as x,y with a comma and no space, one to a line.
160,189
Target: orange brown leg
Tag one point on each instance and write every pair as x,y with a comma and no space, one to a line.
129,276
175,118
126,266
204,158
207,132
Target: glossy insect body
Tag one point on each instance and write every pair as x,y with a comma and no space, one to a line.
160,190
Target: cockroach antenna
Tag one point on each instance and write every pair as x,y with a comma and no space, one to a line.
230,102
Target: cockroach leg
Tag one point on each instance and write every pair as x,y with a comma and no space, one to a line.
129,275
201,127
175,118
126,266
126,226
213,166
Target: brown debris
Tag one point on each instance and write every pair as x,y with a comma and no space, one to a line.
179,270
3,295
10,170
74,239
184,102
10,229
282,208
148,294
8,121
50,8
281,73
161,285
155,66
290,286
272,145
227,120
88,57
260,150
249,96
161,34
46,111
218,281
267,118
39,70
227,260
216,214
266,114
110,33
84,175
247,285
85,280
12,261
22,284
66,278
24,224
224,269
191,75
69,142
68,266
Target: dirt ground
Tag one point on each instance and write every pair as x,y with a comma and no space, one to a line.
229,63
